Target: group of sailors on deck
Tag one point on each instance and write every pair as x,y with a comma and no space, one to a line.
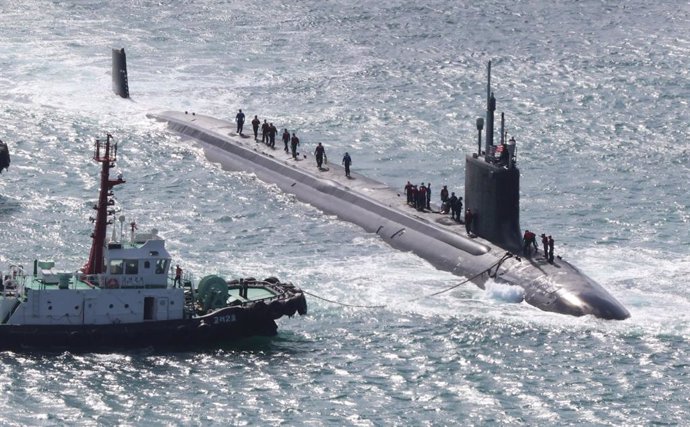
529,241
419,197
268,137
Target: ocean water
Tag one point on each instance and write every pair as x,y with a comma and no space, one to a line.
595,92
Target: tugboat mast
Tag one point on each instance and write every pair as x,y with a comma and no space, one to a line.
105,153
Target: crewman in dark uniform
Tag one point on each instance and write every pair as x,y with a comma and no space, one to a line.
255,125
264,132
319,153
347,161
458,209
294,142
428,196
421,197
551,249
272,131
444,194
239,118
286,139
452,204
469,218
545,244
408,192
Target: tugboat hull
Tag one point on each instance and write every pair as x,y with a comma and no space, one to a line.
222,326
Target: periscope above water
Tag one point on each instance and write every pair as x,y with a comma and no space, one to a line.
4,156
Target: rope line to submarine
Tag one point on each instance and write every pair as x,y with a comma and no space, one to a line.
497,264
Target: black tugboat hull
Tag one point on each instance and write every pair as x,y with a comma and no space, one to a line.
220,327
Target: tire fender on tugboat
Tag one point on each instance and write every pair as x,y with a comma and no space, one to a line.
276,308
301,305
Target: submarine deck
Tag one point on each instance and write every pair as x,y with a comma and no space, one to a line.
331,175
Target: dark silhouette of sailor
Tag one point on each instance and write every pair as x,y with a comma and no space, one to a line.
239,118
294,142
319,153
347,161
255,126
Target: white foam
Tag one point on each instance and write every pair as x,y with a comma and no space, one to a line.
504,292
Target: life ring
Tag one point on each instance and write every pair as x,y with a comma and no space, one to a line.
112,283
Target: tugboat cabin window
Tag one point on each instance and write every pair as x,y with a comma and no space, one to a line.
131,266
147,264
115,266
161,266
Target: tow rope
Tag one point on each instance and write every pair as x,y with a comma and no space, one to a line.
342,303
497,264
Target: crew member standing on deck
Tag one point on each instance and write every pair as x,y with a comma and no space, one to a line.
529,240
264,132
319,153
428,196
408,192
469,217
178,276
545,244
551,249
294,142
504,159
421,197
347,161
286,139
452,204
255,125
444,194
239,118
272,131
458,209
511,153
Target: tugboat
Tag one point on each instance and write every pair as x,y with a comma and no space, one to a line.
125,297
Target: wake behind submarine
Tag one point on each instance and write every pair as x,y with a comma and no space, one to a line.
491,192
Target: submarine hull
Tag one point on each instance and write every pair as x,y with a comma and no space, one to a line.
557,287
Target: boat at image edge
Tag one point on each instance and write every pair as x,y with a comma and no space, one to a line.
125,297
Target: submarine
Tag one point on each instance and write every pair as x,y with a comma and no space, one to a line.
492,251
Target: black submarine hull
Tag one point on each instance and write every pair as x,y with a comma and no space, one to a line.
556,287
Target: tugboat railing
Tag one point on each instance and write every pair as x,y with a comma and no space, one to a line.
14,282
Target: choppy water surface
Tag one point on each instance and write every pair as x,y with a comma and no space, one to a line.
595,92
